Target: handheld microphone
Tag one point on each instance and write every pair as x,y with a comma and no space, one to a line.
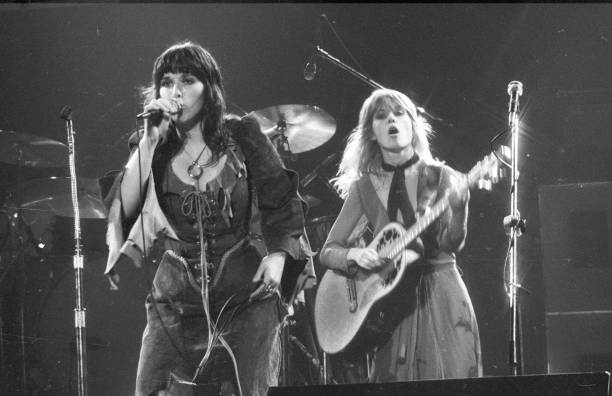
149,113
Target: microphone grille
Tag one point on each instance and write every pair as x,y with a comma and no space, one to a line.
515,87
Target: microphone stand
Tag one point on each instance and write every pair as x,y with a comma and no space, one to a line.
79,310
514,226
320,52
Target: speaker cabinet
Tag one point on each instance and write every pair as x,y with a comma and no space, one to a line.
579,384
576,247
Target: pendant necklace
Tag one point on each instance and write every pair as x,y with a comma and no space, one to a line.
195,170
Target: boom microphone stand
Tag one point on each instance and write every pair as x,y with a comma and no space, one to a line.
79,310
321,53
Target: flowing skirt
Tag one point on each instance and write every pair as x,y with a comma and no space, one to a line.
437,337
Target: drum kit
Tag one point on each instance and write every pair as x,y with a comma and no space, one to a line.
38,210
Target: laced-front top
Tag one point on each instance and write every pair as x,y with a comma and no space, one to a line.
225,202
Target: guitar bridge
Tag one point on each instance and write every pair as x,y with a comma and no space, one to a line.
352,294
390,271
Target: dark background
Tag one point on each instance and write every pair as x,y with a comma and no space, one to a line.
453,59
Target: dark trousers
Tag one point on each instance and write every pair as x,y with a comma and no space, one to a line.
175,340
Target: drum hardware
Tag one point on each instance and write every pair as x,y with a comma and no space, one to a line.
311,200
25,151
316,174
295,129
313,174
300,364
311,359
52,195
45,212
31,151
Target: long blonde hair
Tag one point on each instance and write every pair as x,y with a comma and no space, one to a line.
362,153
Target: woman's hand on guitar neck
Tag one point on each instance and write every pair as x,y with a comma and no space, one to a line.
364,257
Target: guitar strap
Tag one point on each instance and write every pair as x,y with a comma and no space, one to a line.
370,202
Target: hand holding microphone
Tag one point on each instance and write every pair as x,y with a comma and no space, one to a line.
157,115
162,106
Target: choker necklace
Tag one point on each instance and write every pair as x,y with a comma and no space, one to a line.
195,170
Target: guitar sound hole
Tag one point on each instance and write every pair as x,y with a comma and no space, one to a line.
387,238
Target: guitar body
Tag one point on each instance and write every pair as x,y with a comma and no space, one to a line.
351,308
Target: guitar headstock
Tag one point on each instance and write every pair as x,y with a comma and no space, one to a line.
488,171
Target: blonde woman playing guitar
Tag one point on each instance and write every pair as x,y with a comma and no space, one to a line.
423,326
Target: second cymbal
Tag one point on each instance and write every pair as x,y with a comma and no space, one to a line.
305,127
54,195
32,151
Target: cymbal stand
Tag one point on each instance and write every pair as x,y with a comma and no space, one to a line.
18,241
79,310
281,142
287,340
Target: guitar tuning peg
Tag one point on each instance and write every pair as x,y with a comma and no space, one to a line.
496,173
505,152
502,173
485,184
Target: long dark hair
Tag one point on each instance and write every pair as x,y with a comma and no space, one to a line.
192,58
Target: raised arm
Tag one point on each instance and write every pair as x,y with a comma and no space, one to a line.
138,167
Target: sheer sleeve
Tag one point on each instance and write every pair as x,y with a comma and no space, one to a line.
110,187
453,222
334,251
118,225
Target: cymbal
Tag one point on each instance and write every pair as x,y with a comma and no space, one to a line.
54,195
31,150
306,127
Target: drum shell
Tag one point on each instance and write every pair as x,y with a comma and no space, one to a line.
49,234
